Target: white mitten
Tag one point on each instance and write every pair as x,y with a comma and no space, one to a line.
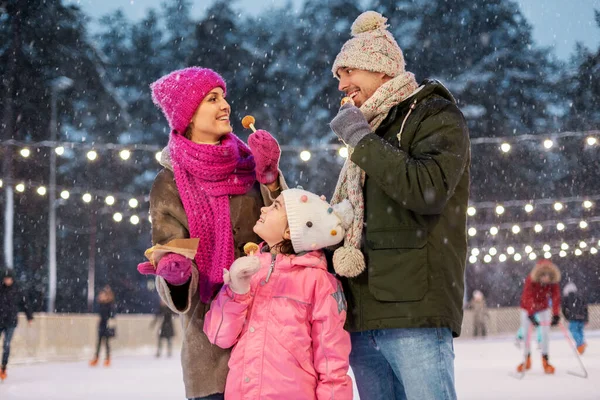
239,275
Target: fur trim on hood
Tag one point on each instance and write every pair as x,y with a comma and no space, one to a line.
545,266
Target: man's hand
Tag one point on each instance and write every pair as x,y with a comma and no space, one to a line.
350,124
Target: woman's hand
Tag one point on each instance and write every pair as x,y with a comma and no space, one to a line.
266,153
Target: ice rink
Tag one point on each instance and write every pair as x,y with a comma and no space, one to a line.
483,369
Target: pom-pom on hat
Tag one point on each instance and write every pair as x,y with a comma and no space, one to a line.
179,93
314,223
372,48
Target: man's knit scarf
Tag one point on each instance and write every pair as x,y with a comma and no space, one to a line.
348,260
206,175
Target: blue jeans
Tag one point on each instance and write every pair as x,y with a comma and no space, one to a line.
8,334
216,396
576,328
398,364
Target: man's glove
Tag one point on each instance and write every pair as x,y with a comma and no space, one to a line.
555,320
350,124
266,153
534,321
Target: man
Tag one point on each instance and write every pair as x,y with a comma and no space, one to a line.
407,177
541,285
11,297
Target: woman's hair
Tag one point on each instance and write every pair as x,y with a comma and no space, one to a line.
188,132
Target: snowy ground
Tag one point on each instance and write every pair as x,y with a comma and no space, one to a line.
482,372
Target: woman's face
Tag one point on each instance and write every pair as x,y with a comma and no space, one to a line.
211,120
272,226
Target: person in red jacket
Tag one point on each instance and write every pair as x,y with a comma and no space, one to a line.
541,286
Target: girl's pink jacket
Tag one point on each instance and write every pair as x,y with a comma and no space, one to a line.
288,332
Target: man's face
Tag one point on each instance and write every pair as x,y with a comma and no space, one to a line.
360,84
8,281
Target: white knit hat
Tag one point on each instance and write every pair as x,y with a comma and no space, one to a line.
314,223
372,48
569,288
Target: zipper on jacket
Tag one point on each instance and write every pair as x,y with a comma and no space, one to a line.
412,107
273,256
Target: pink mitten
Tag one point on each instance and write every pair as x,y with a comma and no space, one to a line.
174,268
266,153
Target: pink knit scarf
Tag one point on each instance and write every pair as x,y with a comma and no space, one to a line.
205,176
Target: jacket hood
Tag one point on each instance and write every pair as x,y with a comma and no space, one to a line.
543,267
311,259
433,86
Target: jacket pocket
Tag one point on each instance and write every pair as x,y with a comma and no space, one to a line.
398,264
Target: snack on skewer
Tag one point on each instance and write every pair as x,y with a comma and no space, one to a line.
250,248
248,122
346,100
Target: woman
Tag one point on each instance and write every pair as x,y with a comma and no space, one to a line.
212,187
106,309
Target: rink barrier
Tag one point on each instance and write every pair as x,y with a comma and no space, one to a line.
507,320
70,337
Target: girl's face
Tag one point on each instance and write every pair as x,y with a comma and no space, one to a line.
211,120
272,226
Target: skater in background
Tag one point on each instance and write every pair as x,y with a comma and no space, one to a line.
480,313
540,285
166,331
575,310
11,299
106,309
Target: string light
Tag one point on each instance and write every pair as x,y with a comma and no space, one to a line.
502,258
578,252
547,248
528,249
493,251
558,206
41,190
562,253
516,229
158,156
505,147
528,208
564,246
110,200
87,197
499,210
494,230
133,203
65,194
547,255
583,225
560,226
134,219
591,141
583,245
473,259
92,155
472,231
487,258
538,228
548,143
343,152
475,252
593,250
20,187
59,150
305,155
125,154
510,250
587,204
517,257
1,183
25,152
471,211
118,217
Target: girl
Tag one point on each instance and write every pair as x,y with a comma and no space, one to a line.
208,189
282,310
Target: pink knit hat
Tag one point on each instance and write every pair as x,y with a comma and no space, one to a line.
372,48
179,93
